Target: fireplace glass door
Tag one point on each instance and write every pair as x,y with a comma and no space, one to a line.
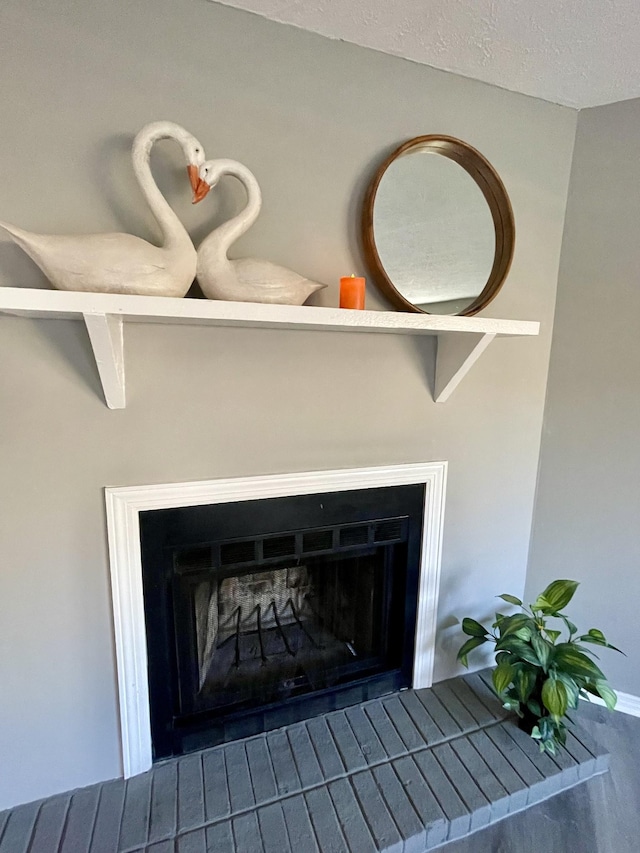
262,629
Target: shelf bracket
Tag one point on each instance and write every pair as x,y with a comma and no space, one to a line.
455,356
107,341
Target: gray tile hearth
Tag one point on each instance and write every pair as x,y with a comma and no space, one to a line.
402,774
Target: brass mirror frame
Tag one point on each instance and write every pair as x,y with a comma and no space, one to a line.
492,188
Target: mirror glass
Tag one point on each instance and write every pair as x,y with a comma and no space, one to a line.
434,232
438,227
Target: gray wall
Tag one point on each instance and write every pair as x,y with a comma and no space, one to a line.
587,519
312,118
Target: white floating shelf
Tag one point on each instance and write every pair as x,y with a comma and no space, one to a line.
461,340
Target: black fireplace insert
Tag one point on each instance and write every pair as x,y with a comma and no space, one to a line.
260,613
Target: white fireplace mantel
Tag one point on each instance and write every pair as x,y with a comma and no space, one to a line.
124,506
461,340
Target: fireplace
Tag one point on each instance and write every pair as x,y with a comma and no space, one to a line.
260,613
138,669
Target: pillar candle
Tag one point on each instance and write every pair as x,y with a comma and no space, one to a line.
352,292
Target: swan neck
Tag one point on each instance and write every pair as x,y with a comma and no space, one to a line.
232,230
173,231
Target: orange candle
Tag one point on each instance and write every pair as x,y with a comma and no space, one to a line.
352,292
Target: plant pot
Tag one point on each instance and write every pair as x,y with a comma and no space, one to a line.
527,721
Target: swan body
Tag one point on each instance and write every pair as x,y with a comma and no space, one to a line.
122,263
246,279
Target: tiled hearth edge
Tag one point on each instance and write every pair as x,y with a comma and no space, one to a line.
404,773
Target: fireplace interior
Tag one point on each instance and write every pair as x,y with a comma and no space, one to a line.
263,612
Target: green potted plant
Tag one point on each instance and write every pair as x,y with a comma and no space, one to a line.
540,675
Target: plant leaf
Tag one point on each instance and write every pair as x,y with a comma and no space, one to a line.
587,638
573,691
543,650
572,661
584,649
511,599
502,676
597,635
554,697
523,633
517,647
471,643
546,727
513,624
534,707
561,734
541,603
473,628
559,593
552,635
570,626
606,693
525,682
598,641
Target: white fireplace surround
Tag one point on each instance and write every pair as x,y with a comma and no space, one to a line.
123,508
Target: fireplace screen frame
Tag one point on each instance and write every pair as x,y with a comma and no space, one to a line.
177,724
124,505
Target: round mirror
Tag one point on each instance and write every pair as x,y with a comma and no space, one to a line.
438,227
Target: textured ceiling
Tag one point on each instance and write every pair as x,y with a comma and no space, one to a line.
580,53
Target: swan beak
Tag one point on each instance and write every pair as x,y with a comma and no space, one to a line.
200,188
200,191
194,177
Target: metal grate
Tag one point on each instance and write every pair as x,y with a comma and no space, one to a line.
355,535
279,546
386,531
263,549
193,559
317,540
237,552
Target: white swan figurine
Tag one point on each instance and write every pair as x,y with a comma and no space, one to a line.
122,263
244,280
